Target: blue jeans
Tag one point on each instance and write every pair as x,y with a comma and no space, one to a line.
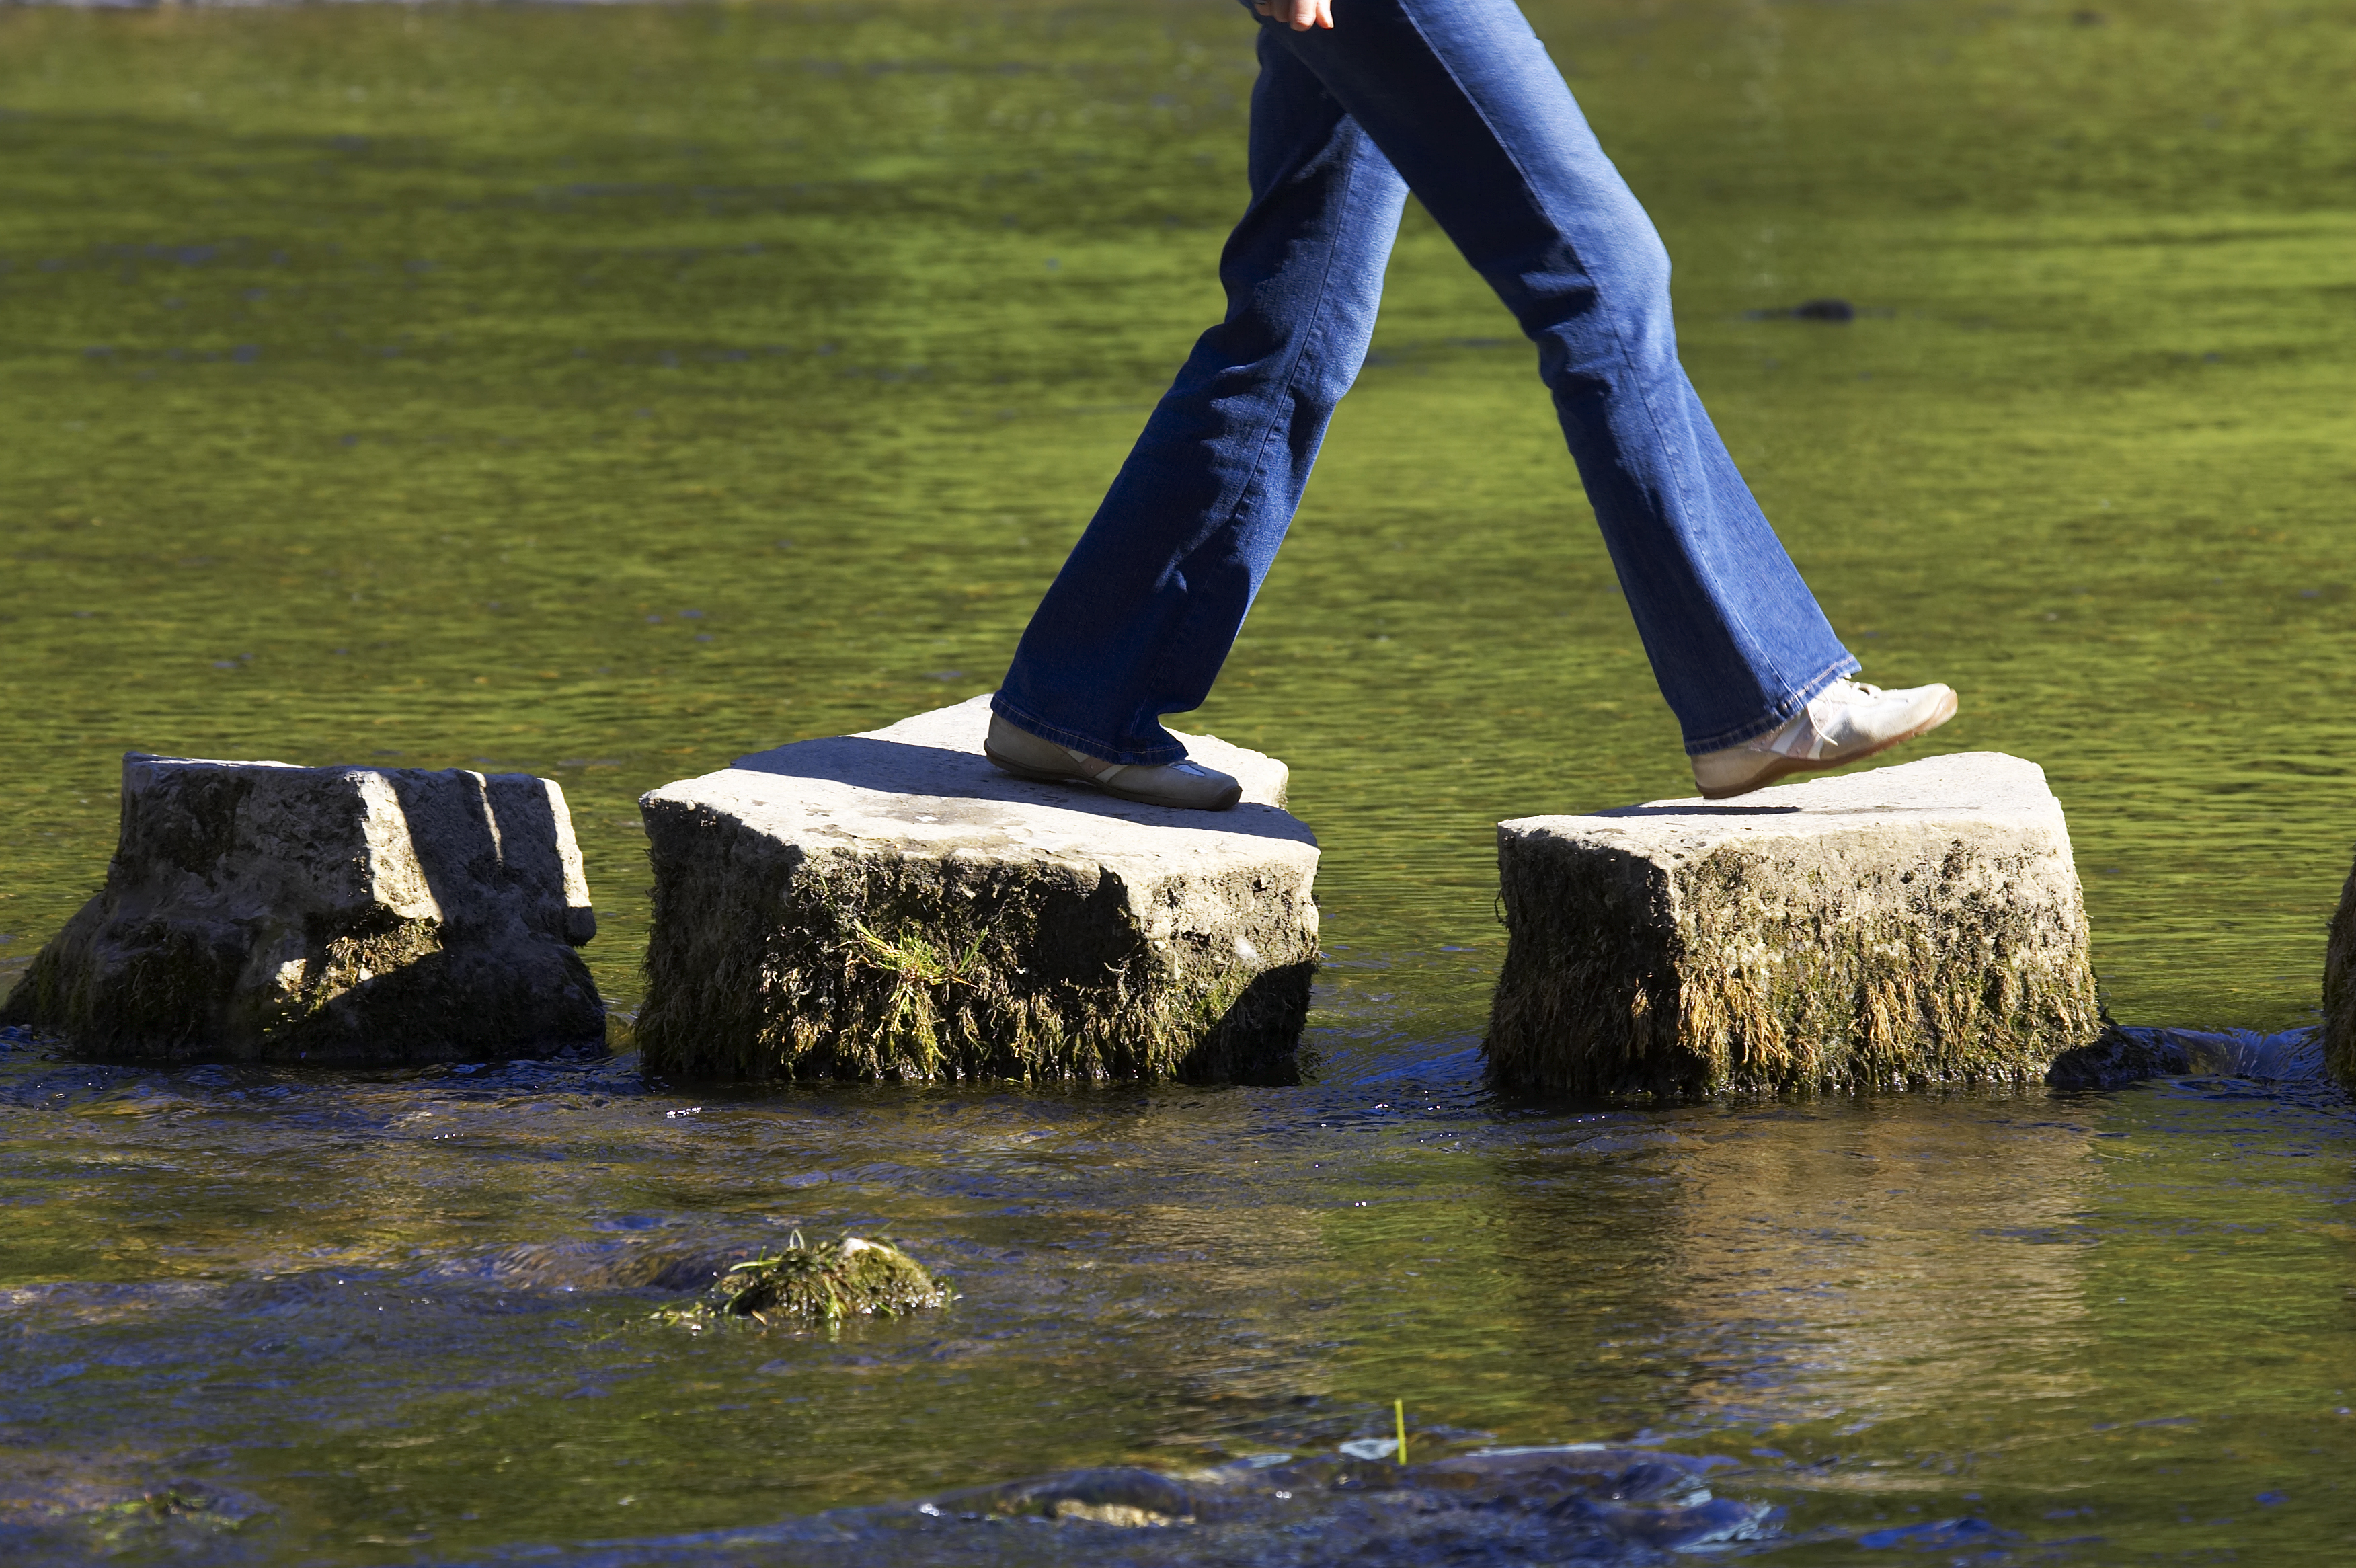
1456,100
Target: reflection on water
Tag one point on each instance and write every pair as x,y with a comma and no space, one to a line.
411,1314
607,392
1868,1251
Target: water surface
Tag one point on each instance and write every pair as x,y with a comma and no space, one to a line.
410,1315
609,393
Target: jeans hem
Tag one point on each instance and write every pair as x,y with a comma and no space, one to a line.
1781,715
1087,746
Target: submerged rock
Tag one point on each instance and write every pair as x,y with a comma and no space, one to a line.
1827,309
60,1506
1909,925
2131,1054
1576,1503
257,912
1554,1504
2119,1057
829,1281
2340,988
889,906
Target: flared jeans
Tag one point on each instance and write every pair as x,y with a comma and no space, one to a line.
1457,101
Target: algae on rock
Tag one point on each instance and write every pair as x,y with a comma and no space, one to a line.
2340,988
356,916
1909,925
889,907
829,1281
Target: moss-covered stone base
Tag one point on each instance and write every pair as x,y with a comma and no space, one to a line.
827,1282
889,906
1813,937
768,962
2340,988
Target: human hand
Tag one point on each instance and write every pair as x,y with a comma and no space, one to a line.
1299,15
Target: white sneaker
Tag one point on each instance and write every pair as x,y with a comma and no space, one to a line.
1185,784
1845,721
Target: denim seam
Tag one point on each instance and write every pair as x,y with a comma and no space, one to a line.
1794,698
1072,740
1807,691
1317,321
1291,382
1289,385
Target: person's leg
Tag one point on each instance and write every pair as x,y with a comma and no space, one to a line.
1461,98
1142,614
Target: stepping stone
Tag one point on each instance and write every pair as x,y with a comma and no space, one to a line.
256,911
889,906
1909,925
2340,988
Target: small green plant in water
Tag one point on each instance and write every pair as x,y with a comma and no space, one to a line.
829,1283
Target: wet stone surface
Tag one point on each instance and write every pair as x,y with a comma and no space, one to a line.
2134,1054
62,1506
827,1282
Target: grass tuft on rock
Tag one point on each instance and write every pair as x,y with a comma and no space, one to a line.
827,1282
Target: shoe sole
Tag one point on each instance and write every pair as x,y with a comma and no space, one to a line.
1051,776
1785,767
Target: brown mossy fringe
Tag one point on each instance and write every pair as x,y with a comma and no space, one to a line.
2339,989
1613,986
907,968
827,1283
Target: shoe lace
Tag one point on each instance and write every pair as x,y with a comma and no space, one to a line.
1865,689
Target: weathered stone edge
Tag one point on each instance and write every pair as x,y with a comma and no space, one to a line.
852,974
1622,1040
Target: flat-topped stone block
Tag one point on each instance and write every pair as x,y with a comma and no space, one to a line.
257,912
889,906
1909,925
2340,988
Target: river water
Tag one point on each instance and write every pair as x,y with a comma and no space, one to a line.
607,392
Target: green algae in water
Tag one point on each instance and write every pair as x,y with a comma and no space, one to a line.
63,1506
827,1283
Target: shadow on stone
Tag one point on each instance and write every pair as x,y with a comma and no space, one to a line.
943,774
890,907
1256,1040
1698,809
